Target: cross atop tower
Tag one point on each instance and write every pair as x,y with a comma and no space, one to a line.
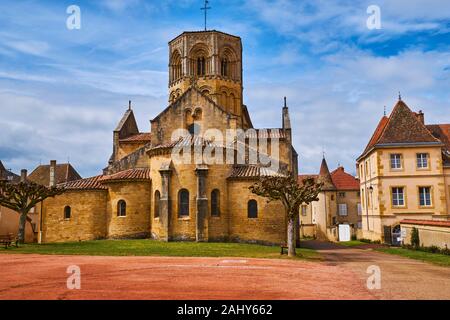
206,8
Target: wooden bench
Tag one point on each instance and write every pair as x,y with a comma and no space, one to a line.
8,240
283,247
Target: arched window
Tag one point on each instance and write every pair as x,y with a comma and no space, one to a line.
252,209
224,68
183,203
201,66
194,129
67,212
176,66
156,207
121,208
215,203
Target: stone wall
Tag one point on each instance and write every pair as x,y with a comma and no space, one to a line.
429,235
136,223
269,227
88,216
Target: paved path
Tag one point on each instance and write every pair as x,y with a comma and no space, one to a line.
44,277
401,278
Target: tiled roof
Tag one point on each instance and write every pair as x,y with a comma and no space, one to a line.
377,134
344,181
186,141
325,177
266,134
92,183
251,171
404,127
143,137
441,132
64,173
132,174
8,175
445,224
401,127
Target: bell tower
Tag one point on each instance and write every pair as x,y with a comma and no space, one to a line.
211,60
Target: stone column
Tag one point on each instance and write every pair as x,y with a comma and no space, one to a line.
164,204
202,205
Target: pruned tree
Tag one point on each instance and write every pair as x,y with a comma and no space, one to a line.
22,197
292,195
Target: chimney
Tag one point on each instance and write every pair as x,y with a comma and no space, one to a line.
53,173
23,175
421,117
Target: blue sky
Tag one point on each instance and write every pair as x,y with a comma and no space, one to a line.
63,91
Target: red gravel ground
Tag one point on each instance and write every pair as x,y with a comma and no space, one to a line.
44,277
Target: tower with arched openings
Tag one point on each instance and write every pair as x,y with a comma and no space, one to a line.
211,59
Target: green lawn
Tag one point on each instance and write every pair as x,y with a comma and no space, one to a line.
440,259
352,243
156,248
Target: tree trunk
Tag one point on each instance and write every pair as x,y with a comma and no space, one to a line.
22,225
291,237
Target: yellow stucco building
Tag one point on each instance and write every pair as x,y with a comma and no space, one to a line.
145,192
404,173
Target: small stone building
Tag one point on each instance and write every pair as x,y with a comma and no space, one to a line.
146,191
339,203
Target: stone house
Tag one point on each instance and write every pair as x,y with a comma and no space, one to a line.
339,203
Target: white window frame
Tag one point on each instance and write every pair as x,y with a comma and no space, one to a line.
425,197
342,212
359,209
422,162
398,198
304,210
396,161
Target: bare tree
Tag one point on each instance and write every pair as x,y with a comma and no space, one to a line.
22,197
292,194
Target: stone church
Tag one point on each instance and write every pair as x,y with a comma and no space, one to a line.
145,193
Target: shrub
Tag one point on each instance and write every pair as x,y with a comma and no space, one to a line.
415,239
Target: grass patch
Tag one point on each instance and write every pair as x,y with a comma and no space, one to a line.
156,248
352,243
436,258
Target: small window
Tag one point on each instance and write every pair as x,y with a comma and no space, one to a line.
422,160
304,210
67,213
341,194
425,196
359,225
396,161
398,197
343,209
359,209
194,129
156,206
252,209
224,67
121,208
215,203
183,203
332,197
